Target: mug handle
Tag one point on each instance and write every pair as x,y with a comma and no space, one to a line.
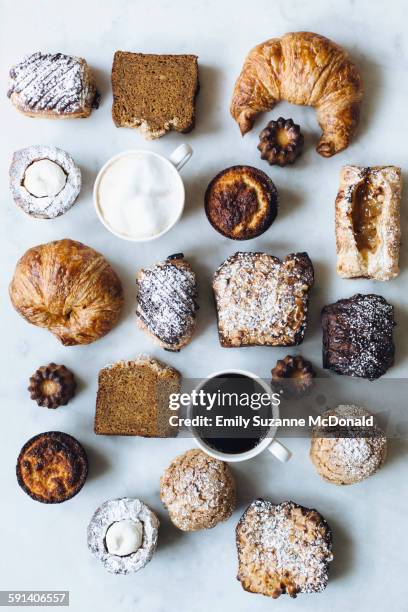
181,156
279,451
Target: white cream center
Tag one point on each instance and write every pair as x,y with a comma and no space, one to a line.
139,195
44,178
124,537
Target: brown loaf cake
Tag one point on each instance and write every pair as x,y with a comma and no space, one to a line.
133,399
155,93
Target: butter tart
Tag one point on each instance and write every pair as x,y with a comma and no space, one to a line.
293,376
52,386
52,467
241,202
281,142
68,288
368,231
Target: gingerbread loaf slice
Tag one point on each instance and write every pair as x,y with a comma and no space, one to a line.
155,93
133,399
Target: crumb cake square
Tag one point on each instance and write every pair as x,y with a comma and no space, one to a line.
262,300
155,93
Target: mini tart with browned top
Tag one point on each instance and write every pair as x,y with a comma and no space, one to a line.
52,467
241,202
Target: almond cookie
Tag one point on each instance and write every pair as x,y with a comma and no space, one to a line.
198,491
347,454
283,549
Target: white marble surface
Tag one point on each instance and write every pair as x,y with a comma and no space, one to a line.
44,547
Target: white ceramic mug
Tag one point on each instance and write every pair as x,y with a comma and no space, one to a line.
269,442
175,162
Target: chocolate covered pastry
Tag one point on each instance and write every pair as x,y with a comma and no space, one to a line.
368,231
262,300
358,336
53,85
167,302
241,202
283,549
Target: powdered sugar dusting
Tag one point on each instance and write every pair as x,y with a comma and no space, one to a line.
166,296
51,82
117,510
283,548
47,207
262,300
358,336
348,454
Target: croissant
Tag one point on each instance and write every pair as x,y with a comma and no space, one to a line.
302,68
68,288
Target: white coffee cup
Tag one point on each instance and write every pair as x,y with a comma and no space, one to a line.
173,163
269,442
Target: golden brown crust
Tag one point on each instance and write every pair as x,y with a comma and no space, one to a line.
261,300
52,467
241,202
52,386
368,231
68,288
283,549
302,68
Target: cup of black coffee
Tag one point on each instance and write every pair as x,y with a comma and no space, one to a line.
232,414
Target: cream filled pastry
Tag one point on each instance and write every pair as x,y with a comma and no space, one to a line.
44,181
124,537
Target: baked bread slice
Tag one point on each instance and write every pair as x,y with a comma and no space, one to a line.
262,300
54,86
283,549
155,93
167,302
368,231
133,399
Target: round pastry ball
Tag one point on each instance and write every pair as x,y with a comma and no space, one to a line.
198,491
347,454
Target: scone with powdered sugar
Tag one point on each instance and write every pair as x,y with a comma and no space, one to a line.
167,302
54,86
283,549
351,453
262,300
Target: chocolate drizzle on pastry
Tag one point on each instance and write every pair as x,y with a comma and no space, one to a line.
53,82
52,386
166,301
358,336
